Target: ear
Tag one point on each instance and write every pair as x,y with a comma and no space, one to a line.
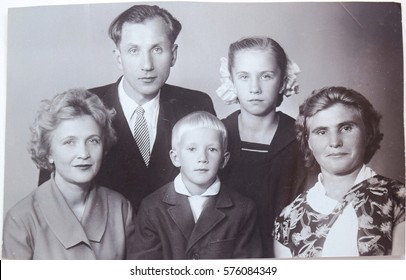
226,157
50,159
174,54
174,158
117,56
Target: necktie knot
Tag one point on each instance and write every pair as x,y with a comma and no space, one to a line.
139,111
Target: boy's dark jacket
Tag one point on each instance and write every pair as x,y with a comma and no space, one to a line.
226,228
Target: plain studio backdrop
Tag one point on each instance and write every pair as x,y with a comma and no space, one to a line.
54,48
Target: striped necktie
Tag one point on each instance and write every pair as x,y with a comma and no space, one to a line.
141,134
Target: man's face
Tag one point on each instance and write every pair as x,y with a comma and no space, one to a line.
145,55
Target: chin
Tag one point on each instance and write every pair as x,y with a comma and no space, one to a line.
84,179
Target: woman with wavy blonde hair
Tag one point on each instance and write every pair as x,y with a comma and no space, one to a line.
70,216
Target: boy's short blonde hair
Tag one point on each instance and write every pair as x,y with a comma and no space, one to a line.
199,119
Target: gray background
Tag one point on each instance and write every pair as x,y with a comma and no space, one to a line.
53,48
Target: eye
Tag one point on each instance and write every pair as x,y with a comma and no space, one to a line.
242,77
95,140
133,51
320,132
213,149
191,149
68,142
267,76
157,50
347,128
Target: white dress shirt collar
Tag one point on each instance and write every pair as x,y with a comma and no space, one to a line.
151,112
196,202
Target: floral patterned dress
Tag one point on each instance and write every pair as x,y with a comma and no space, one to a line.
379,205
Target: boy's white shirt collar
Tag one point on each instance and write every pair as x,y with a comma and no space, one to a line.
196,202
180,187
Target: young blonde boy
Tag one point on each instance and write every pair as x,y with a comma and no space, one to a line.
195,216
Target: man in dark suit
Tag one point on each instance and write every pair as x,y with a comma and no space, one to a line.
145,51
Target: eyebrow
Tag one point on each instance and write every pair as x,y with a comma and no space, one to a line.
76,137
159,43
261,72
353,123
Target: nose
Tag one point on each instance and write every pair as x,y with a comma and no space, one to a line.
254,87
202,158
335,140
147,63
83,151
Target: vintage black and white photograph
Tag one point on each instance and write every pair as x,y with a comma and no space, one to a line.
204,130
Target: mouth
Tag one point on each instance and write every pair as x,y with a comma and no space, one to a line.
255,100
337,155
83,166
201,170
147,79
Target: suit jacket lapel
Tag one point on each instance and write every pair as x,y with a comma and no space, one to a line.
126,142
210,217
160,161
166,120
180,212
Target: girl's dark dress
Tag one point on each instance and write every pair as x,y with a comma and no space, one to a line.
271,175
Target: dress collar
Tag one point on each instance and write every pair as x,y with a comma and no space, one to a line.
284,135
318,199
63,221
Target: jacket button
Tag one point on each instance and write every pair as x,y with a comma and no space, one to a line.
196,256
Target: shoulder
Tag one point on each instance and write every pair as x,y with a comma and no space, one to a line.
231,121
26,207
112,194
103,91
294,207
382,180
158,195
231,124
239,200
381,186
285,135
286,120
117,203
178,94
